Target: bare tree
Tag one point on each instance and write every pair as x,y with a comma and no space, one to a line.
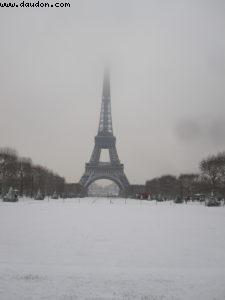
25,175
187,184
8,168
152,187
213,171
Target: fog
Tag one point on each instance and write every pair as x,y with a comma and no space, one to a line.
167,62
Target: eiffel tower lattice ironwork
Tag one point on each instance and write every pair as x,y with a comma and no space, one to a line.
112,170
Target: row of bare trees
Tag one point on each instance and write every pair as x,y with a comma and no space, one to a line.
169,186
21,174
210,180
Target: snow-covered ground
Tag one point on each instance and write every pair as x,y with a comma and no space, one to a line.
93,249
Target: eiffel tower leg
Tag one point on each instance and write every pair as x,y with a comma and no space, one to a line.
113,155
95,156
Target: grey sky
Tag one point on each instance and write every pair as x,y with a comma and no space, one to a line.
167,83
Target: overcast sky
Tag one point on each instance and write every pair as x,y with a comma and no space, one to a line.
167,83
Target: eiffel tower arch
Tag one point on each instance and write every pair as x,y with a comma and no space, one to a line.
114,169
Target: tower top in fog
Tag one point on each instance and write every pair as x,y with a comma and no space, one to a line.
105,122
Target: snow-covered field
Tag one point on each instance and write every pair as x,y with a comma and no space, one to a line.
93,249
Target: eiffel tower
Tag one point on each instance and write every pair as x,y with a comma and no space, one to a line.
112,170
